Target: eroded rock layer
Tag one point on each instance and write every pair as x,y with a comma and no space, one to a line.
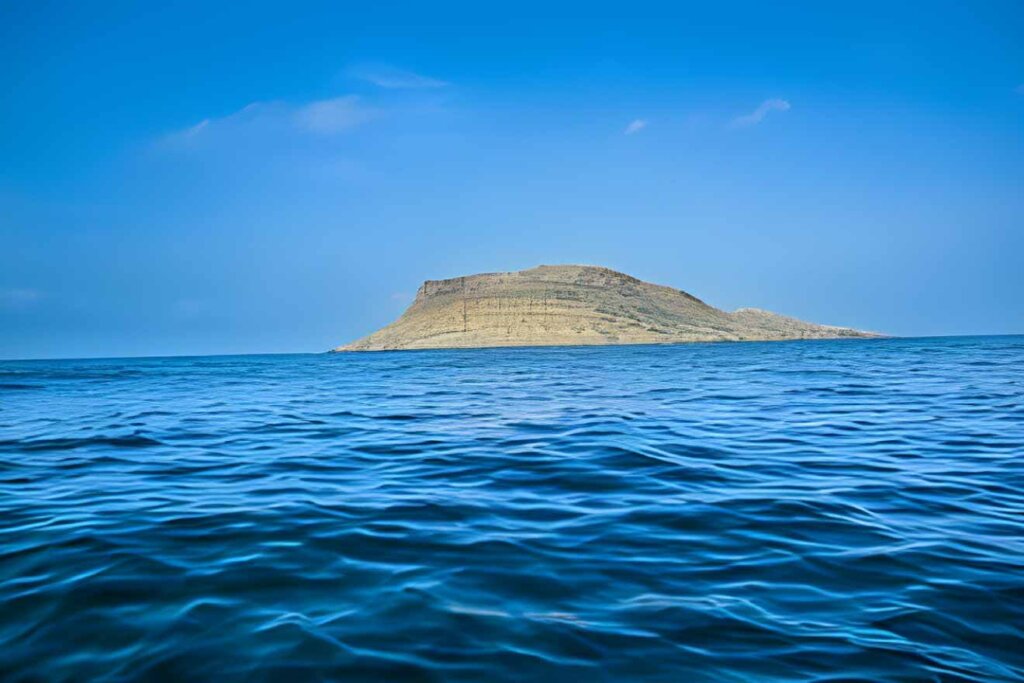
570,305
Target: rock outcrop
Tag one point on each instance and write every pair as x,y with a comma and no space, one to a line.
573,305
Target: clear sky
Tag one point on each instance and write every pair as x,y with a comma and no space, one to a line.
197,177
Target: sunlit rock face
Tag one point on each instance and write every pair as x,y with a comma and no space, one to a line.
570,305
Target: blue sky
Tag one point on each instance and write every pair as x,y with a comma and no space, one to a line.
202,178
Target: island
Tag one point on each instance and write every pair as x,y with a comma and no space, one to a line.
573,305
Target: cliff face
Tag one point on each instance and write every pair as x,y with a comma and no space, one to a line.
569,305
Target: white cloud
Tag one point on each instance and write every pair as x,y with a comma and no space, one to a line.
635,126
333,115
196,129
389,77
19,297
324,117
1020,89
755,117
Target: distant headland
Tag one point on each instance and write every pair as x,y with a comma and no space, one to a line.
573,305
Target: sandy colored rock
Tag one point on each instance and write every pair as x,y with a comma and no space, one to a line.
570,305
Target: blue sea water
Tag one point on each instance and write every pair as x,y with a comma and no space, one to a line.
821,510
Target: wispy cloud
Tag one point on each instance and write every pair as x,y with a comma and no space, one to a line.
273,118
334,115
1019,89
195,130
19,297
635,126
392,78
755,117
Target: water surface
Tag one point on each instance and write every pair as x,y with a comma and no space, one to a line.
827,510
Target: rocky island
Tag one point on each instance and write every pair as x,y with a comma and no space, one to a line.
573,305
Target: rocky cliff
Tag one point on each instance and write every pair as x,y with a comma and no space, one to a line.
568,305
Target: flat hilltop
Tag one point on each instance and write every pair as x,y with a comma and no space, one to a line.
573,305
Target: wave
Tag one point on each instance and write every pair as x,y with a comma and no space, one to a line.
811,512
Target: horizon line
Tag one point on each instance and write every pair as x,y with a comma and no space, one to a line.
331,352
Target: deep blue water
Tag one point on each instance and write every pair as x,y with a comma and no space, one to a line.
833,510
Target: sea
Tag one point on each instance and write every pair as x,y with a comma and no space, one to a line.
848,510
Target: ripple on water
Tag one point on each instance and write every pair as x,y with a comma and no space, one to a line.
845,510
